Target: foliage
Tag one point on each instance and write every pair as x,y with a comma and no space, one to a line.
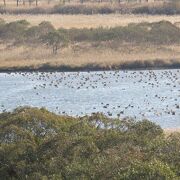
83,9
37,144
21,32
66,9
162,32
13,30
34,33
171,8
55,39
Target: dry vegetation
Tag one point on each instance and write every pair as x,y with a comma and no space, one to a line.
90,7
91,21
142,45
52,3
169,131
82,54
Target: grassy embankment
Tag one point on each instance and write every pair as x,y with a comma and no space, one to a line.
37,144
142,45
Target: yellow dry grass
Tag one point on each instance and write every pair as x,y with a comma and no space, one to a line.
91,21
83,54
169,131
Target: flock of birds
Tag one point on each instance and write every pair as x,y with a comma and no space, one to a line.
159,95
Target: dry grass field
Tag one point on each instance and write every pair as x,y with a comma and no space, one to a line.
91,21
80,55
77,55
169,131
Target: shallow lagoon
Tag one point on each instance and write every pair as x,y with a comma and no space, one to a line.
154,95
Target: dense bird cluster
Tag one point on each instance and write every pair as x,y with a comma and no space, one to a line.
142,94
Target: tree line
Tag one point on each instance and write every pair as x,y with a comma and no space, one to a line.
30,2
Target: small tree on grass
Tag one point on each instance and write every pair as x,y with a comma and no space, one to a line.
55,40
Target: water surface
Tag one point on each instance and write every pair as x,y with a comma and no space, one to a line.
153,95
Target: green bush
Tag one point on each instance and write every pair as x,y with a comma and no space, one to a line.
37,144
149,171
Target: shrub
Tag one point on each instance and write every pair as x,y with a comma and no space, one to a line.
54,39
168,9
37,144
14,30
151,170
34,33
162,32
82,9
